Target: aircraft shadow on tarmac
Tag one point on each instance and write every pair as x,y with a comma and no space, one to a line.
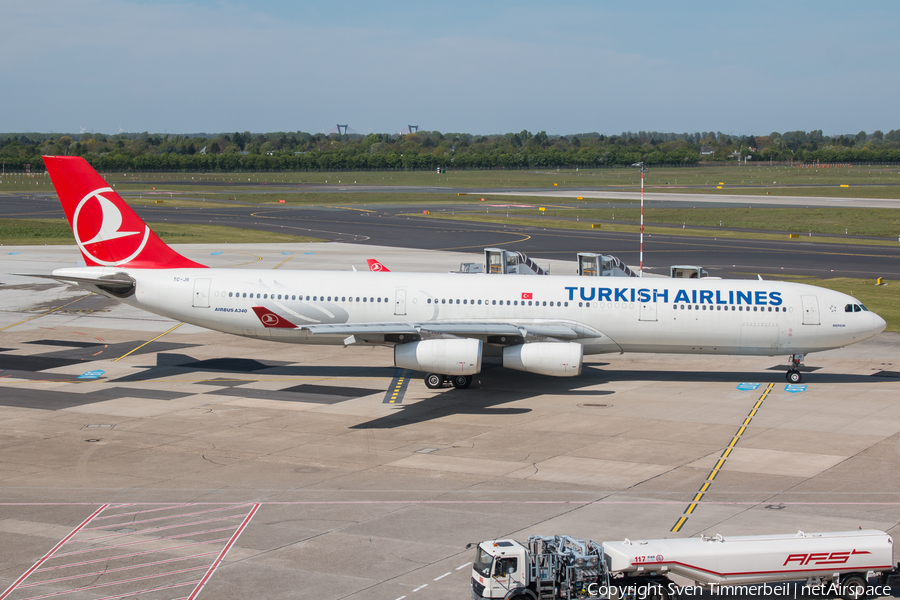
172,364
494,387
734,377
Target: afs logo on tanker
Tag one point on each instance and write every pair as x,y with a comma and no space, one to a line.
822,558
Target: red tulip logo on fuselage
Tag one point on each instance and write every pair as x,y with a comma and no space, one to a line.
108,239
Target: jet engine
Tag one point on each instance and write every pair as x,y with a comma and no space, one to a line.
446,357
557,359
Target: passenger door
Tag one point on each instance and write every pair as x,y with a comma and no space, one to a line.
201,292
810,310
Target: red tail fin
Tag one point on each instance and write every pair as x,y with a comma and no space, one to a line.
374,265
108,232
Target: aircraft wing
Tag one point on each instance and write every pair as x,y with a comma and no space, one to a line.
458,328
559,330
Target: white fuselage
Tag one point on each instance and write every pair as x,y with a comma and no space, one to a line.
704,316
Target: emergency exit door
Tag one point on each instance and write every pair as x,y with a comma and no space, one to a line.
400,303
201,293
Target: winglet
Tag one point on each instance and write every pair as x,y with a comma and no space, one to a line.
374,265
270,319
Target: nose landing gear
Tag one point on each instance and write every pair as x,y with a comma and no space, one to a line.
793,374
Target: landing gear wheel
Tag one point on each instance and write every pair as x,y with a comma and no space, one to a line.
433,381
461,382
853,587
794,376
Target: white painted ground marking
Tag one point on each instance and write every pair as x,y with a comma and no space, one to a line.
401,597
442,576
463,566
420,587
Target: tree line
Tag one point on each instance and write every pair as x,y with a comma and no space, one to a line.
301,151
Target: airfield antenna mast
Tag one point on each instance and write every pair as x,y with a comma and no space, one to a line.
641,270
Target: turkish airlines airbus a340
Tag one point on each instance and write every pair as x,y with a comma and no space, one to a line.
440,323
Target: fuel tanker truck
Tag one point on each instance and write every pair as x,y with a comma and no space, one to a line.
849,564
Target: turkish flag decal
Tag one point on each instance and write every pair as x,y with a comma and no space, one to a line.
526,295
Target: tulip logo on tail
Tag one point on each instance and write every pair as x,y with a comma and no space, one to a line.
374,265
99,220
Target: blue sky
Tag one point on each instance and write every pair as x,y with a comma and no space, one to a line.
461,66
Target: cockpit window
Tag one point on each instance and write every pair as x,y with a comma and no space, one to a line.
855,308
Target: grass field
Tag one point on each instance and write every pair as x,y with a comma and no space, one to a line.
878,222
762,177
586,224
180,202
321,199
29,232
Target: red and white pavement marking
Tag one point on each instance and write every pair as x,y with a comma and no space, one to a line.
86,565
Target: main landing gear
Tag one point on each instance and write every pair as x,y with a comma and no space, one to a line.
793,374
434,381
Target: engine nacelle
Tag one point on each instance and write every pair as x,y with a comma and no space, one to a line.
445,357
557,359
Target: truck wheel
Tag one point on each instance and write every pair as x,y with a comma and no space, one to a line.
659,594
434,381
853,587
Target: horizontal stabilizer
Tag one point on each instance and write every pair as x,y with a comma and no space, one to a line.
118,284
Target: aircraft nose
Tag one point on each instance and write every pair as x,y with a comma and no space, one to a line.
878,324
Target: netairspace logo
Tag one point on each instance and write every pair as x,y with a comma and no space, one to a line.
647,591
